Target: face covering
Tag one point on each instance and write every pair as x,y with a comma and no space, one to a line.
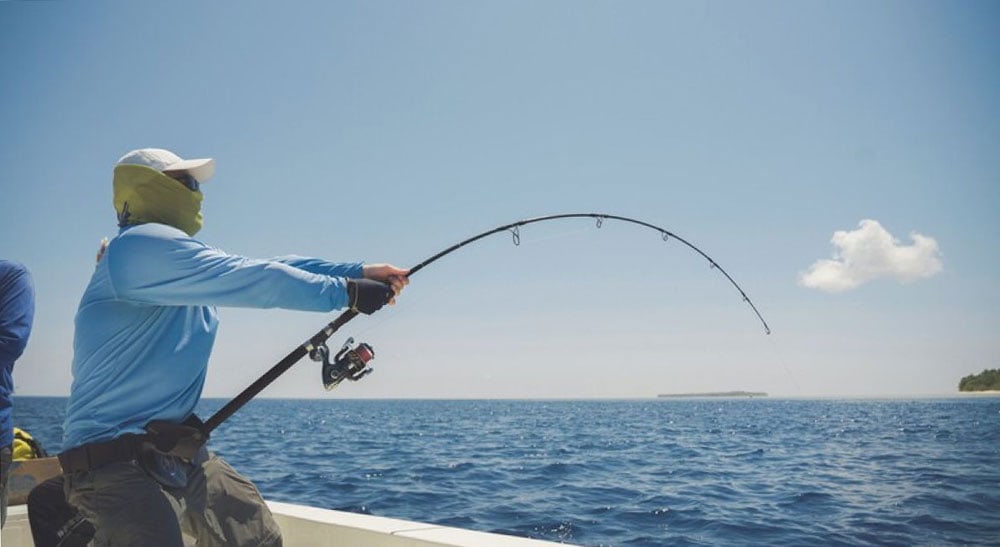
143,194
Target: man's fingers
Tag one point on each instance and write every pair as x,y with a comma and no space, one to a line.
397,283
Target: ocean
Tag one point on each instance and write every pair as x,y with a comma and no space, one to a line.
631,472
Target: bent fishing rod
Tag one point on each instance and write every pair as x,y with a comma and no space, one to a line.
351,362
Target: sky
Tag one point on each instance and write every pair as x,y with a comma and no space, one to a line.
841,160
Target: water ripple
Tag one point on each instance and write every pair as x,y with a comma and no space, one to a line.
629,473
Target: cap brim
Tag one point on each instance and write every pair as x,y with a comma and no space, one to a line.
201,169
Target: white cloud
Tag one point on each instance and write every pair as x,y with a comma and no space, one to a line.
870,253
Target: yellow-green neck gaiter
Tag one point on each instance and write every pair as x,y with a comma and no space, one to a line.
143,194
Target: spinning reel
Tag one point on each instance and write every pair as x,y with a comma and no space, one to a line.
350,363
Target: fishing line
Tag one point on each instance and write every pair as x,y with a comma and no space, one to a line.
355,359
782,361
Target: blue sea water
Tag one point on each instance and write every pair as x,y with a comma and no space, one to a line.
635,472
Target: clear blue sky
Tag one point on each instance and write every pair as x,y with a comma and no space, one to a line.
386,131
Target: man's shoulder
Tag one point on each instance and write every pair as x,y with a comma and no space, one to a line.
151,230
144,239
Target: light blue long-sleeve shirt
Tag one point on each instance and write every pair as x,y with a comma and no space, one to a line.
17,311
147,321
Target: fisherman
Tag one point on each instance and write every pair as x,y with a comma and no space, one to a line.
17,311
135,464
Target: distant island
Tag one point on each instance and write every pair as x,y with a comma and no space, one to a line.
717,394
987,380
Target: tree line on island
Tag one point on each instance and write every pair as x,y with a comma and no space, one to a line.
987,380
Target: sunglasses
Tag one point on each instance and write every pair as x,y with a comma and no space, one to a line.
186,179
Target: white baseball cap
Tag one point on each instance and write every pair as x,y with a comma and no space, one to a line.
166,161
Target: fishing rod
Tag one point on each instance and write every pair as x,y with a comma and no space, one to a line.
351,362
